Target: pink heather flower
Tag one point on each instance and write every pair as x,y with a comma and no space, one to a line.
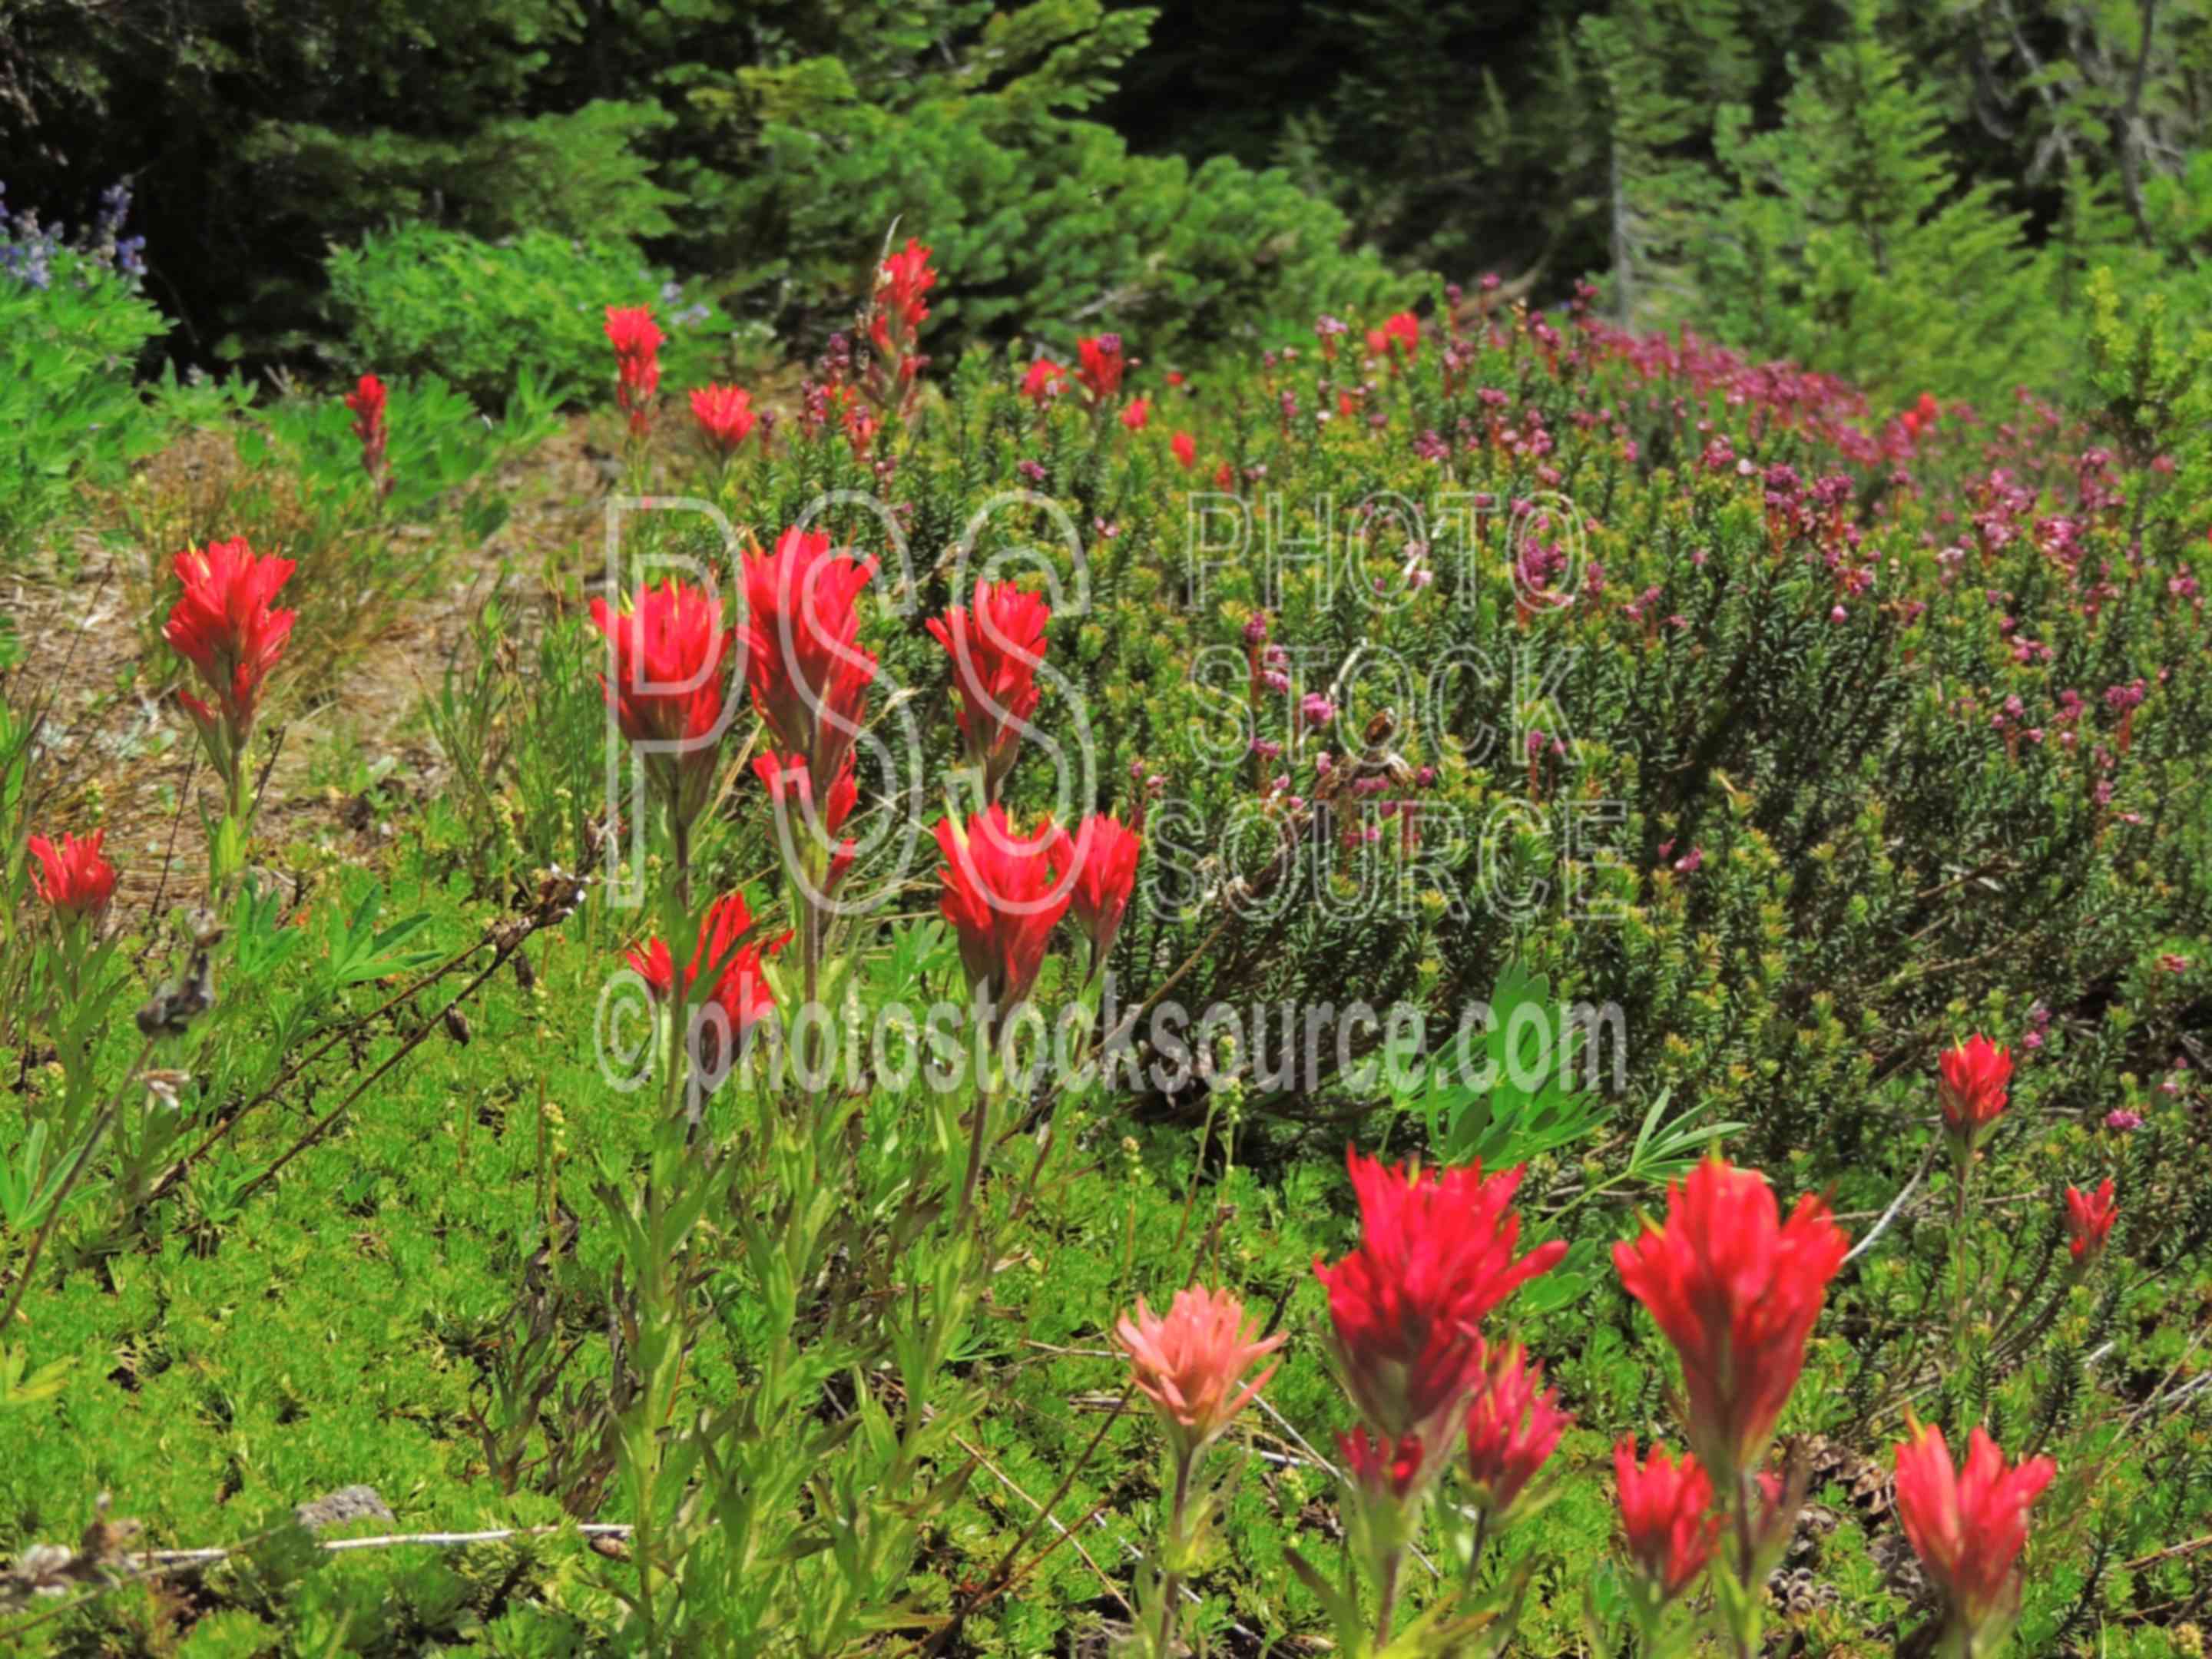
1191,1363
2122,1119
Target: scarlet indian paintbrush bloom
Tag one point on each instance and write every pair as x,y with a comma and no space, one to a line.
1100,366
637,340
1045,381
669,684
1138,414
1976,1076
224,626
1736,1290
73,877
1512,1425
1106,855
791,788
2090,1218
804,664
1399,339
1186,450
996,647
1379,1471
726,417
1662,1517
1968,1526
730,959
366,402
900,312
1003,894
1191,1363
1435,1254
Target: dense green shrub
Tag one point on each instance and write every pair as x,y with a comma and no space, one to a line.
73,332
484,314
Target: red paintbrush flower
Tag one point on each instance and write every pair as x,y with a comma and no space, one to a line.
1106,855
1186,450
669,688
223,625
1435,1254
730,960
791,789
73,877
1973,1092
366,402
1662,1517
804,664
2089,1218
1512,1424
1191,1363
1045,381
900,282
1736,1290
1003,895
726,417
996,648
1100,366
637,340
1968,1526
1379,1471
1138,414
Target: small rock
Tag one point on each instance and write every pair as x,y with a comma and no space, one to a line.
346,1504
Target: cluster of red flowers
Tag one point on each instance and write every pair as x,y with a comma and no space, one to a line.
996,647
1435,1256
670,649
728,956
896,320
1399,340
1004,894
806,670
224,625
637,340
726,417
1100,366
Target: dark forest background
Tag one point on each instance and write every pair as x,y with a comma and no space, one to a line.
1903,192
